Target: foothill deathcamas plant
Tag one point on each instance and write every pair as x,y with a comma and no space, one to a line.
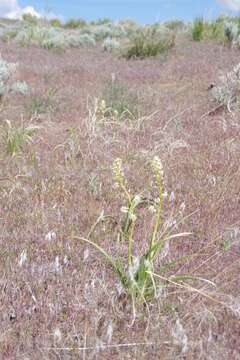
136,272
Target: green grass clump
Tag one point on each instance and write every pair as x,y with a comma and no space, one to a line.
56,41
41,104
79,39
224,29
149,43
15,137
6,71
215,30
198,29
119,100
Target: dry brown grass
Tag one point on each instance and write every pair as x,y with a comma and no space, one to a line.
62,302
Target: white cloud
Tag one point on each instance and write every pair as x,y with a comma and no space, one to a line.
12,10
232,4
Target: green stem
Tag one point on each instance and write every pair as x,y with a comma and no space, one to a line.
128,196
130,239
157,222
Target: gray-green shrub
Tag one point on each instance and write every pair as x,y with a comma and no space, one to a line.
110,44
6,71
20,87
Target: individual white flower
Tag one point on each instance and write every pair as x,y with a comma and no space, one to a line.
172,197
131,215
182,207
57,335
160,293
165,250
124,209
171,222
51,235
23,258
236,232
180,337
212,180
165,194
57,265
152,209
119,288
234,305
132,270
109,333
66,260
85,254
137,200
115,114
148,265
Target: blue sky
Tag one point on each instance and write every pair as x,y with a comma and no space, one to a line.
141,10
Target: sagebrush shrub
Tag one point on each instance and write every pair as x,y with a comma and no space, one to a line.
110,44
228,90
6,71
56,41
53,37
79,39
20,87
110,30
